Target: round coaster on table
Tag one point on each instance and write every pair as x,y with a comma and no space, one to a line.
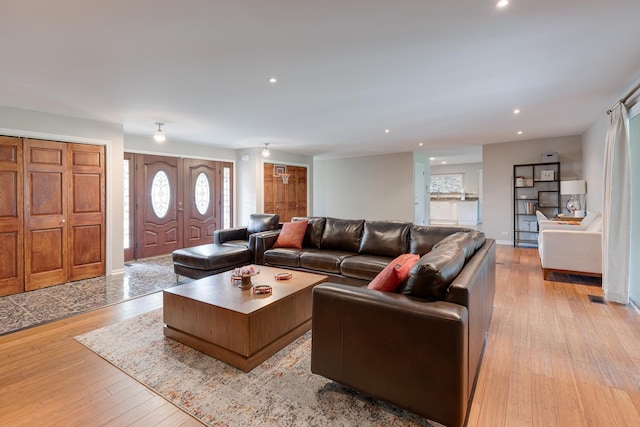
262,289
284,276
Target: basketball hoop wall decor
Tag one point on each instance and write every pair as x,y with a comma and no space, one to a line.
280,171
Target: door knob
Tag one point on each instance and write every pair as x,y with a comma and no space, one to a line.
64,220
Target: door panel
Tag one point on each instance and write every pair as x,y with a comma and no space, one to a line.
202,201
45,220
86,212
269,189
159,229
11,216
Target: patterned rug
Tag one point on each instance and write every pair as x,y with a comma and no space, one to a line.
33,308
280,392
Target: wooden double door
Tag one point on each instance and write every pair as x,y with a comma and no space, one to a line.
176,203
52,213
287,200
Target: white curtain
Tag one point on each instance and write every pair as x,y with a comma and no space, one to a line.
617,208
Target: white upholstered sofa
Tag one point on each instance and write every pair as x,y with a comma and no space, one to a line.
568,248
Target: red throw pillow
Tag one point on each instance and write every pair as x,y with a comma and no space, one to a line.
393,274
291,235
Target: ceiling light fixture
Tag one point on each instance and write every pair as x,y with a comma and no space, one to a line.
265,150
273,80
159,136
502,3
421,144
443,163
387,131
519,132
432,158
516,111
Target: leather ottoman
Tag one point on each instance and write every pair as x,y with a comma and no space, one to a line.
206,260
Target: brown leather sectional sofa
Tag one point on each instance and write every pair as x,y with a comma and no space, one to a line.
419,348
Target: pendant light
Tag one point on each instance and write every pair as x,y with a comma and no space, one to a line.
265,150
159,136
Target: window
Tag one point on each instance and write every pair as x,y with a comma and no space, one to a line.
447,183
125,204
160,194
226,197
202,194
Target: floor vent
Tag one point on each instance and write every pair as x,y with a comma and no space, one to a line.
597,299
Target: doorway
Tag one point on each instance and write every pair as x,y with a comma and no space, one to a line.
175,203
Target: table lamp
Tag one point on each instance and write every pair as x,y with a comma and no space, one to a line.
573,188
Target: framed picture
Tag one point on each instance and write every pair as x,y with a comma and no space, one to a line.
279,170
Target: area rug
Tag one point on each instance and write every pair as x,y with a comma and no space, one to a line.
33,308
280,392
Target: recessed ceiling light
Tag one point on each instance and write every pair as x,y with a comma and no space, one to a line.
519,132
387,131
516,111
502,3
432,158
421,144
273,80
443,163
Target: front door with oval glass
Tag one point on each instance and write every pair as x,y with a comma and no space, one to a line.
176,203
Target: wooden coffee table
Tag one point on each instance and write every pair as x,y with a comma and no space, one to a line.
234,325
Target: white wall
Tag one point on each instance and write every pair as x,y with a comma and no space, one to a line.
593,142
250,183
370,187
18,122
176,148
498,161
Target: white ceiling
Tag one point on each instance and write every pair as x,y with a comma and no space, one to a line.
444,73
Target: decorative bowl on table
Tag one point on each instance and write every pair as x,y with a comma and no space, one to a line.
241,276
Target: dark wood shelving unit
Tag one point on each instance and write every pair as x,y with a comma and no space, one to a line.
536,186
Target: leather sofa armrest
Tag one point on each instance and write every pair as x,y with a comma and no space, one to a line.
261,242
226,234
410,353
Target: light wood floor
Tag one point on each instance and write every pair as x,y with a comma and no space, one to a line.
552,358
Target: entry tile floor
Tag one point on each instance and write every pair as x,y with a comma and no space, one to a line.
27,309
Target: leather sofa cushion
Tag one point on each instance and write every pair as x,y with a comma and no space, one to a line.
315,228
286,257
324,260
469,242
387,238
342,234
243,243
423,237
262,222
364,267
430,278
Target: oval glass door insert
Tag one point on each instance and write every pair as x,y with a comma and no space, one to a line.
202,194
160,194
